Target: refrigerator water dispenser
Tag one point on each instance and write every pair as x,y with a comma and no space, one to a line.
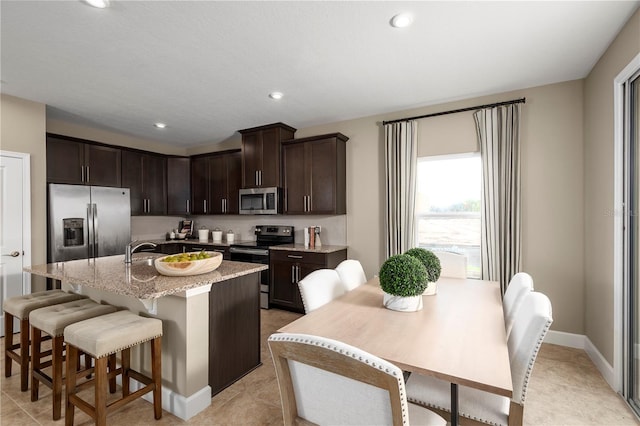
73,231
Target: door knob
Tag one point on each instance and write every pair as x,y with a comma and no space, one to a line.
14,253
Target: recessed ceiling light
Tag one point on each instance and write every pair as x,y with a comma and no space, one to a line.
100,4
401,20
276,95
160,125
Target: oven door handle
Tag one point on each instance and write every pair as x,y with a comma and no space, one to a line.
259,252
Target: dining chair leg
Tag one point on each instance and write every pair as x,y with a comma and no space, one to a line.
516,414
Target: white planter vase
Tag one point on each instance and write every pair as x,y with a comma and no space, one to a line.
431,289
402,304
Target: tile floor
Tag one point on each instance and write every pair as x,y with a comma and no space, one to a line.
565,389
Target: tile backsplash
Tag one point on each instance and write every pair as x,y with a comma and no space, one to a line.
334,228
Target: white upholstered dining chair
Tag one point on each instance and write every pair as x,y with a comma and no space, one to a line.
519,286
533,319
327,382
351,273
320,287
452,265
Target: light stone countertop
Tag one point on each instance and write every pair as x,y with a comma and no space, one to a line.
300,247
139,279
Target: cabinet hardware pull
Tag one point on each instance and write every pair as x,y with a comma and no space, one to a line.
82,174
88,179
293,274
255,178
205,205
260,177
188,211
293,256
297,273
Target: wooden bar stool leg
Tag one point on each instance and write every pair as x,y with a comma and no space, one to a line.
56,367
36,347
72,366
24,354
8,343
101,391
156,375
112,367
125,361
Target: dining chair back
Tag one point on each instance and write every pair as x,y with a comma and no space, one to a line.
520,285
351,273
532,321
326,382
320,287
452,265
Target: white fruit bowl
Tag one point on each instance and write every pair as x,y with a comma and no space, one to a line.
193,267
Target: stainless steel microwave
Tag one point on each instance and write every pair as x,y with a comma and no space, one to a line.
261,200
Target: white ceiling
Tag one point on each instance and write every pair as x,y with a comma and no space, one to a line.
206,67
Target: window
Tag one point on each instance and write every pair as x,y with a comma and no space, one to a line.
448,194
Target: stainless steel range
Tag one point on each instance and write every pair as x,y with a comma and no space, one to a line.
258,252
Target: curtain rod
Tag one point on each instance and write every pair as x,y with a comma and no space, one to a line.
454,111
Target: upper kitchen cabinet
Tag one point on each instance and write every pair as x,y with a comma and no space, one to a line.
314,175
261,154
178,186
77,161
215,181
145,175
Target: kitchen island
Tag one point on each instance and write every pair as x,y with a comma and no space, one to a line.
211,322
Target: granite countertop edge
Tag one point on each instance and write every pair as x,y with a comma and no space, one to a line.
117,281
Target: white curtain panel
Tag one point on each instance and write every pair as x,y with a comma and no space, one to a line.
498,131
401,160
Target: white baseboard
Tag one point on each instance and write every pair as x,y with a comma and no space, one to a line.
178,405
580,341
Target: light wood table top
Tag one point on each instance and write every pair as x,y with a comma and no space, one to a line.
458,336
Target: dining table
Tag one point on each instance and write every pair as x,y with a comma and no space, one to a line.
458,336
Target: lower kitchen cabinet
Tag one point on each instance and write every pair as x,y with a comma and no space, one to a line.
287,267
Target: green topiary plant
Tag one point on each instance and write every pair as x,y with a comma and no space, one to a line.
403,275
429,260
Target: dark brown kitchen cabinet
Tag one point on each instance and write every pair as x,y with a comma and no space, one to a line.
178,186
215,181
288,267
314,175
77,161
146,177
261,154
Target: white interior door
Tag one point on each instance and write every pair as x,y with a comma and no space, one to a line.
15,225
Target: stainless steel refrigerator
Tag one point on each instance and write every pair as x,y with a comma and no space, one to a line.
87,221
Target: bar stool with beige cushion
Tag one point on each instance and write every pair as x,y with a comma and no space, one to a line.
20,307
103,336
52,321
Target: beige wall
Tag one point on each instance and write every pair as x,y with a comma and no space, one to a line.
22,130
552,189
598,178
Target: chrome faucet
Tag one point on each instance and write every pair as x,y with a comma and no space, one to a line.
133,246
